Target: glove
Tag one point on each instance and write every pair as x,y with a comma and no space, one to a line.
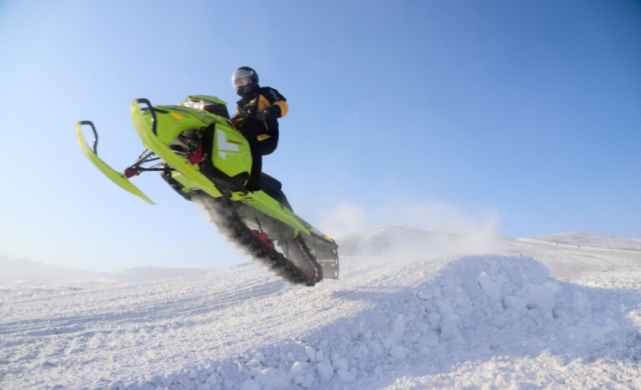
262,115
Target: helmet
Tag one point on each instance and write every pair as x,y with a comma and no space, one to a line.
244,79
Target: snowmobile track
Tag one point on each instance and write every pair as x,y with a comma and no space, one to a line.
229,222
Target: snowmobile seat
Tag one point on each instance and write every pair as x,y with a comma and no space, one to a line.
273,188
268,182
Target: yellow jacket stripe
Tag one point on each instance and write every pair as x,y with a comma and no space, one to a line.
263,103
283,107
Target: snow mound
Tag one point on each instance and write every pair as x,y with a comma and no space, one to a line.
474,309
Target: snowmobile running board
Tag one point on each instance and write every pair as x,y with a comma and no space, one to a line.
92,155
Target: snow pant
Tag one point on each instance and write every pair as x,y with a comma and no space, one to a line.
258,150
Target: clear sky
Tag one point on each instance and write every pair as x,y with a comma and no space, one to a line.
525,111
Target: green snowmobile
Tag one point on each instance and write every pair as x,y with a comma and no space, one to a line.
199,152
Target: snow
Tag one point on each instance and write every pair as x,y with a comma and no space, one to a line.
249,384
397,241
593,241
602,255
325,371
311,354
398,329
398,351
406,322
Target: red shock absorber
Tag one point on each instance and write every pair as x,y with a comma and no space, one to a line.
197,156
129,173
262,237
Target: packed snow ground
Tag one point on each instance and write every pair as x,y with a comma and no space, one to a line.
404,322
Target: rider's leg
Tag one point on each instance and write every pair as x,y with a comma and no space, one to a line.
259,149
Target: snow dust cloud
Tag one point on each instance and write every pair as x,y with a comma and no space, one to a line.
343,220
425,227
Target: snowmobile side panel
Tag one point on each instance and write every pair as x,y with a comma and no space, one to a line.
111,173
143,125
231,151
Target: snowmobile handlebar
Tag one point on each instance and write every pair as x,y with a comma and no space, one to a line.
95,133
153,113
244,114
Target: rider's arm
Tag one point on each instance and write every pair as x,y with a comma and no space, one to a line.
274,102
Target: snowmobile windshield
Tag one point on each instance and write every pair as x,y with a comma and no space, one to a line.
199,104
206,105
240,78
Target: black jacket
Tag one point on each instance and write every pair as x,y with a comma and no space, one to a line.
260,99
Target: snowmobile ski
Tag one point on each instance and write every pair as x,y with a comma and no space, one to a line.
92,155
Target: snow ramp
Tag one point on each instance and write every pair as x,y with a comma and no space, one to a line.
396,323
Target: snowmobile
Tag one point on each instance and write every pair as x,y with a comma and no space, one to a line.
199,152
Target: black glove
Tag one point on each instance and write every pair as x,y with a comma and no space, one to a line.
262,115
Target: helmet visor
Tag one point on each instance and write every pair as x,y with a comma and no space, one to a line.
241,77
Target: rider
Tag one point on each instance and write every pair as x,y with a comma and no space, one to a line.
259,107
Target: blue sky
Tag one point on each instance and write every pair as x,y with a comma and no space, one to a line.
524,111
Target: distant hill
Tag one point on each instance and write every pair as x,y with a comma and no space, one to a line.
19,272
589,240
384,240
395,240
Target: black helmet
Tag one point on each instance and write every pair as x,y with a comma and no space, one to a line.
244,80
